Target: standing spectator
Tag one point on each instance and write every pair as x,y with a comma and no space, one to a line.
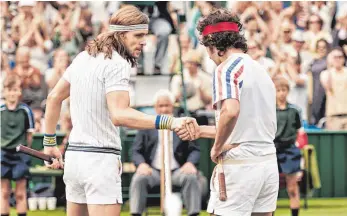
339,34
198,82
334,81
316,92
298,85
304,56
34,87
316,32
17,125
25,21
325,10
255,28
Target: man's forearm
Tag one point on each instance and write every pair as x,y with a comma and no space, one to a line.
52,115
207,131
225,127
132,118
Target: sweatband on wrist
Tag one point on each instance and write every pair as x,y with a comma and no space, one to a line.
49,140
163,122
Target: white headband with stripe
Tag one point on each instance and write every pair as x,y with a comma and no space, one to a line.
120,28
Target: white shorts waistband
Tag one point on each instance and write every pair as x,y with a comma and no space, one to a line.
250,160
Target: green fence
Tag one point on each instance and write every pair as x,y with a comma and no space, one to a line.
331,151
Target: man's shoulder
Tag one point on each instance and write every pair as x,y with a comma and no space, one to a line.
3,107
294,108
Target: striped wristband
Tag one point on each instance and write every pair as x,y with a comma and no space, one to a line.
50,140
163,122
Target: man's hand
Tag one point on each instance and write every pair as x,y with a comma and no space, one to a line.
215,153
188,168
188,130
55,152
144,169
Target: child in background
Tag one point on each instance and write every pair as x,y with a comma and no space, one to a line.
288,155
17,125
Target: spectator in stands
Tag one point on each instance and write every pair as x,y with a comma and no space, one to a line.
304,56
26,21
334,81
147,158
339,34
17,125
255,27
316,92
298,84
60,63
7,44
185,42
288,155
198,82
5,69
316,32
34,87
257,52
161,25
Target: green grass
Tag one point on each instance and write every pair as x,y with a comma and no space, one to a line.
316,207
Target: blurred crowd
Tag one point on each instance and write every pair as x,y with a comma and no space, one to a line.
305,42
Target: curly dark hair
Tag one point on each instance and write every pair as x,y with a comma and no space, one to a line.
222,40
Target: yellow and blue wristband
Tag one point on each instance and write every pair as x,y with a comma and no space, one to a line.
50,140
163,122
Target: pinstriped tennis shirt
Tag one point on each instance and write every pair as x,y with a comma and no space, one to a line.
243,79
91,78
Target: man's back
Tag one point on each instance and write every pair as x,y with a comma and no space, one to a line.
255,128
91,78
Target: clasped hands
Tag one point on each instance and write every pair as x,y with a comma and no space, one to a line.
186,128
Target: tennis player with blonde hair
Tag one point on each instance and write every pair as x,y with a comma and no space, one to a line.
97,82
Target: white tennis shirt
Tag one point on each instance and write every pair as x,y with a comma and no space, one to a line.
243,79
91,78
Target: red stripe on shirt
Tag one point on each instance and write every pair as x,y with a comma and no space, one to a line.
236,76
220,85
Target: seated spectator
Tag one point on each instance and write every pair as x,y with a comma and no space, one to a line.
60,63
316,92
198,82
34,87
147,158
334,81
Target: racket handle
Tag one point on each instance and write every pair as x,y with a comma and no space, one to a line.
222,187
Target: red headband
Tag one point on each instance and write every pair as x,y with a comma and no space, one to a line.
220,27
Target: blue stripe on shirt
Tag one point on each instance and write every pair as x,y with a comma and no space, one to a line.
30,114
228,73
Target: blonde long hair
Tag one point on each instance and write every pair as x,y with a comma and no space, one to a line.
109,41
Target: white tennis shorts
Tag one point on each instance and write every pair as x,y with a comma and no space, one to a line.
93,178
251,185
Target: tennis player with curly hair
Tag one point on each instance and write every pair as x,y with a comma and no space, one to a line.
244,99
